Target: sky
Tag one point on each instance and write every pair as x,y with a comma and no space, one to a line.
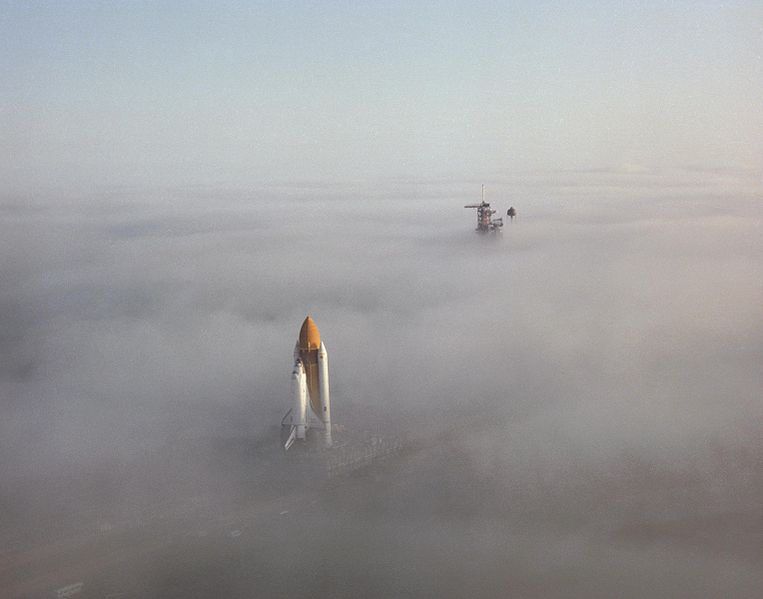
237,93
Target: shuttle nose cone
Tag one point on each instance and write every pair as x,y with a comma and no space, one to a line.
309,337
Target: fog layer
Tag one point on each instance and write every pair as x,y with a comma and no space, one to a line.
583,393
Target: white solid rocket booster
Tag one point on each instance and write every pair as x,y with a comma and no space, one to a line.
310,383
323,378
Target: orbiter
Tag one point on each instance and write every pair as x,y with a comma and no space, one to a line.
309,384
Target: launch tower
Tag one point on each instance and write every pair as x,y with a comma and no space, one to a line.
485,221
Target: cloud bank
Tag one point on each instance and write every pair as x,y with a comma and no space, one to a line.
585,391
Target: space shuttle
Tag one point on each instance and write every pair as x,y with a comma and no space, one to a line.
309,387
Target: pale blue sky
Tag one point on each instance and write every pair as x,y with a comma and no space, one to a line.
240,93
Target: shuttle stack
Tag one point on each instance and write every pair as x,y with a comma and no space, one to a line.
310,383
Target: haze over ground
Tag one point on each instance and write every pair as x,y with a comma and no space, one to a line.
593,375
185,185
